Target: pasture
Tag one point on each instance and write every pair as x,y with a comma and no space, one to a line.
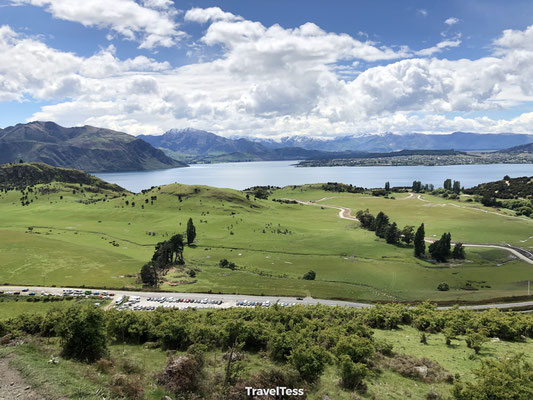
66,237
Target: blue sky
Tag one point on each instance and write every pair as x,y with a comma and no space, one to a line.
269,68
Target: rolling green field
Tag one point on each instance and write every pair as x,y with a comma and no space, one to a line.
67,238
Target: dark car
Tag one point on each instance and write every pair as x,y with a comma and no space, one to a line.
299,298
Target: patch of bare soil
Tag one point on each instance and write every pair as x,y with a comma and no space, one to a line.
12,384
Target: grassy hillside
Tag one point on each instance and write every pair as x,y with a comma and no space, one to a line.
87,148
21,175
69,236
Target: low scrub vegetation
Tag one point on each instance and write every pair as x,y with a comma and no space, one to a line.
301,343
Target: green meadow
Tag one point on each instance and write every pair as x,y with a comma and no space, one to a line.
74,237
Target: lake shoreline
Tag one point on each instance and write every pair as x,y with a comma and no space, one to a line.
243,175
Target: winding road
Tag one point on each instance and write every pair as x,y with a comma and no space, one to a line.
346,213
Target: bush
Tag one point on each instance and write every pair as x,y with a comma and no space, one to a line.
443,287
357,348
310,275
82,333
352,374
309,361
510,378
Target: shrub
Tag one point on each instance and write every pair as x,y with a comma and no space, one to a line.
357,348
310,275
309,361
443,287
82,334
510,378
352,374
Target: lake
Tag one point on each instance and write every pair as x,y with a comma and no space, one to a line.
282,173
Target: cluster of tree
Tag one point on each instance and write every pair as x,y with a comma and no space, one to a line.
520,206
454,187
302,340
260,192
166,254
341,188
507,188
381,225
441,250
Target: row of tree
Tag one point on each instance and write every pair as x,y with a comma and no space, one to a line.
383,228
440,250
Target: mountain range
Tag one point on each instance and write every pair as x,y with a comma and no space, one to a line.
86,148
462,141
202,146
193,145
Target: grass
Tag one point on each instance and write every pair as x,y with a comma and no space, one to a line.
73,380
12,306
76,240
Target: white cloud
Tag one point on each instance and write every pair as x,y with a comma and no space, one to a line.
422,12
451,21
439,47
151,25
274,81
515,40
211,14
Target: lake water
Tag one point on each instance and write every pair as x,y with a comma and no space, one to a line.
282,173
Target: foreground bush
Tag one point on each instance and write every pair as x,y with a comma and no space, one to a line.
82,333
511,378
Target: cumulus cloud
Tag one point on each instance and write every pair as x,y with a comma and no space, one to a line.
451,21
274,81
212,14
152,24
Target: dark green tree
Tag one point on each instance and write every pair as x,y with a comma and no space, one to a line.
176,245
366,219
149,274
387,186
417,186
448,184
440,250
392,235
420,244
408,234
459,252
456,187
381,224
191,232
310,275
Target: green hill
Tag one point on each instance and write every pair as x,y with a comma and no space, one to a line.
87,148
507,188
29,174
